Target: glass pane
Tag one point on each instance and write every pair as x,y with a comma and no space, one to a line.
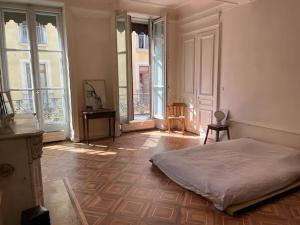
47,34
16,30
122,66
19,70
23,101
122,69
159,100
123,103
159,70
53,106
50,70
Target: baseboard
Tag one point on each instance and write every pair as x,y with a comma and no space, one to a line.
138,125
54,136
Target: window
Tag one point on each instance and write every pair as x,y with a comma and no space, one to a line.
27,80
142,41
41,34
43,75
158,70
23,32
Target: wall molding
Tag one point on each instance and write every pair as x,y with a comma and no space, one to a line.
201,30
265,126
202,14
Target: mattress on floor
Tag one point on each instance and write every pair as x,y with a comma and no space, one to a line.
232,172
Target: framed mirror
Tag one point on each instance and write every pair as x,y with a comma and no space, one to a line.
94,94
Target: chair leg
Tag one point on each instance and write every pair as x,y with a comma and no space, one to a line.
228,134
183,126
217,136
206,136
169,125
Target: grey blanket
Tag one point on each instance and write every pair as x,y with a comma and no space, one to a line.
232,172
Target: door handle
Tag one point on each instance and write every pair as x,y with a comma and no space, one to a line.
37,92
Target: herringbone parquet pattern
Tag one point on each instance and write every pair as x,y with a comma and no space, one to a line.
115,184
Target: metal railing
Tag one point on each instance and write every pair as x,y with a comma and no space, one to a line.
52,108
141,105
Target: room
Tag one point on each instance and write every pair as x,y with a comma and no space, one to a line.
111,111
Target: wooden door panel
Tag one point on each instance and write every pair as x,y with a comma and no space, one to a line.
199,78
206,62
206,77
188,81
205,118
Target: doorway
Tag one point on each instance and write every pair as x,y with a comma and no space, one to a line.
141,68
33,64
141,74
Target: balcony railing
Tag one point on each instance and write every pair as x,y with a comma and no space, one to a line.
141,105
52,108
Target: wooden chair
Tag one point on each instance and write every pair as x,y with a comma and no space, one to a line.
176,112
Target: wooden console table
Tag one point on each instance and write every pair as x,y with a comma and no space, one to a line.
98,114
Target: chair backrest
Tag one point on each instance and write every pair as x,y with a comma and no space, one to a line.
177,109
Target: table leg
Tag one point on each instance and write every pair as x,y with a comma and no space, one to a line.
84,134
109,126
207,131
88,131
228,134
217,136
114,127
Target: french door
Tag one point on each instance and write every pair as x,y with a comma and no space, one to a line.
33,64
157,67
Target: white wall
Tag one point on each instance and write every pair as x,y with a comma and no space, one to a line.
260,70
92,51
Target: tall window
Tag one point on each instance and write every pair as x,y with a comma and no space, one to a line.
41,35
27,80
142,41
23,32
158,70
37,90
43,75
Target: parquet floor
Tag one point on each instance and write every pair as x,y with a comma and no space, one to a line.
115,184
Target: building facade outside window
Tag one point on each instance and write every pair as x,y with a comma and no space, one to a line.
142,41
41,34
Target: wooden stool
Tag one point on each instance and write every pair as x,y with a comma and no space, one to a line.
217,128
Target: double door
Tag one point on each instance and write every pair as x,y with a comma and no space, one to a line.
157,53
200,54
33,64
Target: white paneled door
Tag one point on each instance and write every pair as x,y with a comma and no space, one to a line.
200,78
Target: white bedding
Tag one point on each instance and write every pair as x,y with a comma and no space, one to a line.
232,172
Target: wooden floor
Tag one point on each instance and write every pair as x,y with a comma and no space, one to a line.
115,184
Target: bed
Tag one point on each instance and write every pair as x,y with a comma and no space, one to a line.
233,174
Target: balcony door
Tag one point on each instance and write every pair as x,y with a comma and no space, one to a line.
141,68
33,65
